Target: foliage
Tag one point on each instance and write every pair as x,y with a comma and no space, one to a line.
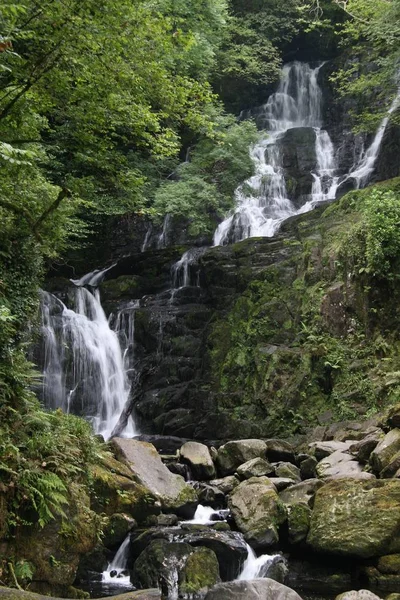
205,186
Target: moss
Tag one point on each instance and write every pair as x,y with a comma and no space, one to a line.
299,522
200,573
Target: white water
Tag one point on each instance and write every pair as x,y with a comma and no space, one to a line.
262,202
124,327
205,515
254,567
84,366
118,565
185,271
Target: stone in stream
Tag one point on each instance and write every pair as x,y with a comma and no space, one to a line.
279,450
225,484
13,594
303,492
117,528
148,469
257,511
177,568
358,595
233,454
356,518
198,457
256,589
286,469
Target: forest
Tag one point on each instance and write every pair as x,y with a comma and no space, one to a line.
142,112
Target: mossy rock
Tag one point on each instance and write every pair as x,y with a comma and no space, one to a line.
200,573
299,516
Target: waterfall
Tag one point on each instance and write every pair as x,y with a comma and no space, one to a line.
185,272
262,202
116,571
205,515
83,362
254,567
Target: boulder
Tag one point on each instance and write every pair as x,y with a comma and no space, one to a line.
338,465
117,528
281,483
356,518
279,450
169,564
308,467
392,468
148,469
358,595
299,516
385,450
393,417
257,589
13,594
225,484
167,520
389,564
303,492
209,494
257,511
323,449
318,578
362,449
233,454
286,469
197,456
256,467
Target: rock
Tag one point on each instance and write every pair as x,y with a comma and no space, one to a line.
225,484
308,467
393,417
281,483
320,579
162,563
167,520
379,581
256,467
303,492
257,511
357,595
233,454
299,516
198,457
209,494
362,449
257,589
146,465
339,465
279,450
385,450
323,449
117,528
393,596
288,470
391,469
356,518
389,564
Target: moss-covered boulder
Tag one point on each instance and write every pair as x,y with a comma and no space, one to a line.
256,467
356,518
299,516
117,528
258,589
257,511
385,450
177,568
389,564
13,594
197,456
150,472
233,454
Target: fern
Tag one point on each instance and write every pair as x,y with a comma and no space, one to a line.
47,494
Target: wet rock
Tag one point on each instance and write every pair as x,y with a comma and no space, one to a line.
385,450
319,578
146,465
288,470
198,457
338,465
177,568
389,564
117,528
233,454
257,589
209,494
179,469
279,450
257,511
356,518
257,467
225,484
167,520
308,467
303,492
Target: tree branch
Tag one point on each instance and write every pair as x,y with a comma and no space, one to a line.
64,193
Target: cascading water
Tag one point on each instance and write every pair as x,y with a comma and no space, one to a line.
206,515
254,567
116,572
262,202
83,362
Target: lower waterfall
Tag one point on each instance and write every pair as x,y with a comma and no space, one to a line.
84,369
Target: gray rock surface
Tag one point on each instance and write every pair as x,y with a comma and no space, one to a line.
198,457
257,589
340,464
385,450
303,492
323,449
145,463
225,484
233,454
256,467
